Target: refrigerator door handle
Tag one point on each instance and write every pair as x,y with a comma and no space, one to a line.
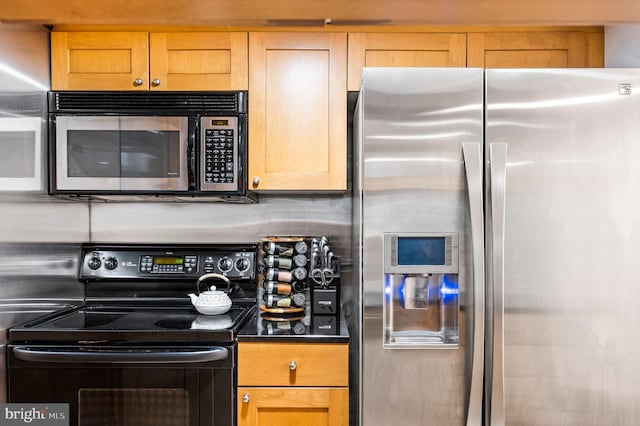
498,177
472,154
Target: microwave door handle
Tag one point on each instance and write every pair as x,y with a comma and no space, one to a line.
138,356
472,155
498,185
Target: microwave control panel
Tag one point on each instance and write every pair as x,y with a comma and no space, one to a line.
219,158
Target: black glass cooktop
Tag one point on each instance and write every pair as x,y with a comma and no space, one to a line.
141,323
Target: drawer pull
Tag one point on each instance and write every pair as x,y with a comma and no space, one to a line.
293,366
245,398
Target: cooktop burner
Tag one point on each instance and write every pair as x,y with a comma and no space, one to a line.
141,318
141,323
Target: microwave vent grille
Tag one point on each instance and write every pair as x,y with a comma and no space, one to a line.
234,102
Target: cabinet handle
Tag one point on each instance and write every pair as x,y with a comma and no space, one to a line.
293,366
256,181
138,82
156,82
245,398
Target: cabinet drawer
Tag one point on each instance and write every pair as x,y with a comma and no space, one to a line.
293,364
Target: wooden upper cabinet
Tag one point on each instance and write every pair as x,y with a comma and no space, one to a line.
198,61
561,49
404,50
297,110
99,61
149,61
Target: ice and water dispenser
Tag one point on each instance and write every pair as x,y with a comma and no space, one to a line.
421,301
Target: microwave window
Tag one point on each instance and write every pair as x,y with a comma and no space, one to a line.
17,154
423,251
123,153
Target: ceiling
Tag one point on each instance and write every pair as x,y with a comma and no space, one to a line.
321,12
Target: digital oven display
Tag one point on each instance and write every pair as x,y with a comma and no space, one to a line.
429,251
168,260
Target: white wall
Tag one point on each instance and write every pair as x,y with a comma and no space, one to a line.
622,46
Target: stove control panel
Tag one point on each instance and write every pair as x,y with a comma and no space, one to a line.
102,262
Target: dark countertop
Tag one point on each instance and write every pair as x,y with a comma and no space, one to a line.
304,327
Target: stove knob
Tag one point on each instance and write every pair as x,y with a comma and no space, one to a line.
111,263
94,263
242,264
225,264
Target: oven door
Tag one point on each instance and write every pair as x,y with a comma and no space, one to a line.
102,153
21,154
123,386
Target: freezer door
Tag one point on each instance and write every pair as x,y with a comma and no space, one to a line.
563,209
419,149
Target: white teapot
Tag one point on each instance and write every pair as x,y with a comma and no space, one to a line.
211,302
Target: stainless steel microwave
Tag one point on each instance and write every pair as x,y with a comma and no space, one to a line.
171,143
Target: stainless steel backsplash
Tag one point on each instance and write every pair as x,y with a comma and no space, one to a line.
39,271
39,236
310,215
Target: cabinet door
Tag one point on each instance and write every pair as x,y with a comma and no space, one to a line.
404,50
528,50
297,110
293,406
99,61
198,61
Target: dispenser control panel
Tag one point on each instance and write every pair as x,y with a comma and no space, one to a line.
421,253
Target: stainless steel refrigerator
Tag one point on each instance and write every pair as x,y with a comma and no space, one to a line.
497,240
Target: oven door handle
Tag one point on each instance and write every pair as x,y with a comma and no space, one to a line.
140,356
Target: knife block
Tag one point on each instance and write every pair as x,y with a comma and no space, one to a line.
325,300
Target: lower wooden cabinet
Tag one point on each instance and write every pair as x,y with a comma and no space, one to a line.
293,384
293,406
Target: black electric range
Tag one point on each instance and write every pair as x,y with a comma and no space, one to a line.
137,345
140,293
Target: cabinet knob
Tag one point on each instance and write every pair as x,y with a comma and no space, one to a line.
138,82
256,181
245,398
156,82
293,366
